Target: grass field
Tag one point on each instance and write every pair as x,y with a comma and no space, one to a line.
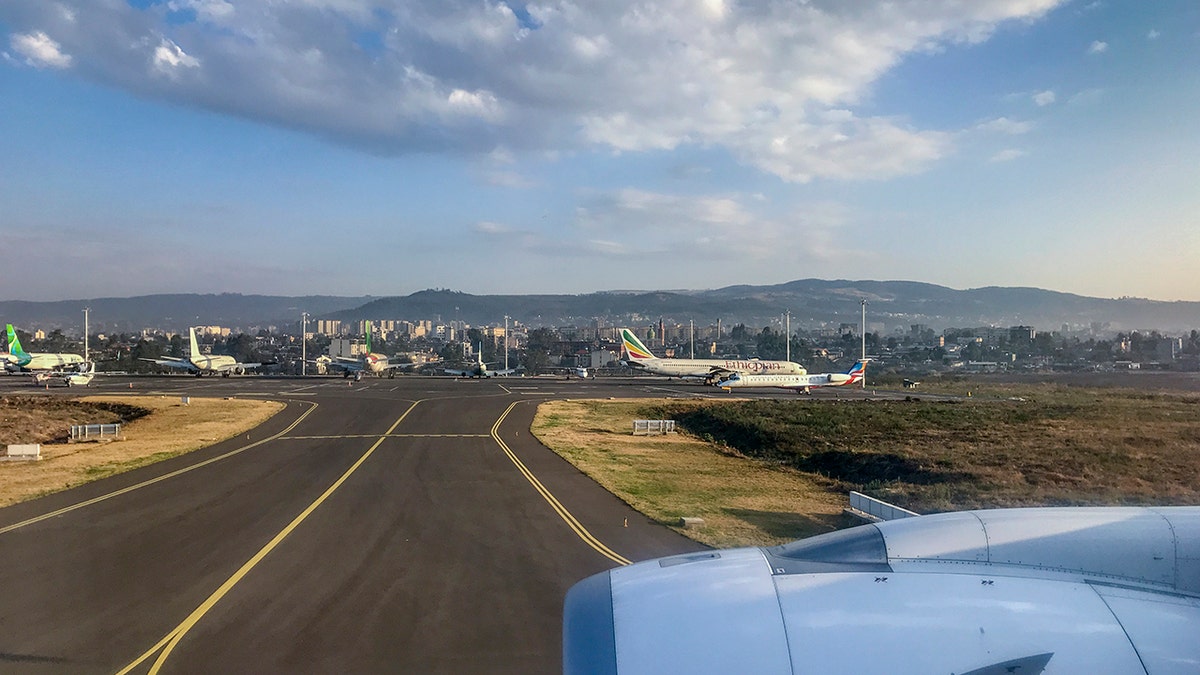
154,428
764,471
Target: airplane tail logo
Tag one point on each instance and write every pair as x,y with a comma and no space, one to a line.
634,347
14,347
857,371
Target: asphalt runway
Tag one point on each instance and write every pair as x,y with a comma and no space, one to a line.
406,525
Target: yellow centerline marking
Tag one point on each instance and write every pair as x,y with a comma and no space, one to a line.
165,476
561,510
171,639
344,436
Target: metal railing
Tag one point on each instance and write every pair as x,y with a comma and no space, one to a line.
876,509
653,427
92,432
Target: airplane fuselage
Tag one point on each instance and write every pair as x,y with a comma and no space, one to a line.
217,362
790,381
45,361
701,368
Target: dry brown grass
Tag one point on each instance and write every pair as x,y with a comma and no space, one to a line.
169,429
743,502
1008,445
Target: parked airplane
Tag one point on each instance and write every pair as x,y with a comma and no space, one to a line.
369,363
479,369
80,377
799,383
199,364
1053,590
639,357
19,360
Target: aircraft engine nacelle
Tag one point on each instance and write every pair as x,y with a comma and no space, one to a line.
238,370
838,378
1055,590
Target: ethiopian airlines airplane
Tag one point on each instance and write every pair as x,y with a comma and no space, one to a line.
639,357
800,383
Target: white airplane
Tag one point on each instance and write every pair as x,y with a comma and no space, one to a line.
199,364
369,363
80,377
1028,591
479,369
799,383
639,357
18,360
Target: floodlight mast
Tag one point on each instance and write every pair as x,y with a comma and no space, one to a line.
303,344
864,342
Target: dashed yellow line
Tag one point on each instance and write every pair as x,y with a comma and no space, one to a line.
561,510
171,639
345,436
165,476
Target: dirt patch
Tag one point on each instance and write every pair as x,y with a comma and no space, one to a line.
154,429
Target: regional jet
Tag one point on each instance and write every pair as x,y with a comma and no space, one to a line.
199,364
80,376
639,357
798,383
18,360
1033,590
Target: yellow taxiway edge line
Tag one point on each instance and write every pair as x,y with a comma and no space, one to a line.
165,476
561,510
172,639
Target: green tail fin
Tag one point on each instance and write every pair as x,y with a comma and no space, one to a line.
14,343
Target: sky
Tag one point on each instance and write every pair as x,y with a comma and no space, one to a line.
381,147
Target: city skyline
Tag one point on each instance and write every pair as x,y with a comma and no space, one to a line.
369,148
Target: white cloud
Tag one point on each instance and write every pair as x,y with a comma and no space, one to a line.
777,85
1003,125
1153,34
489,227
40,51
169,58
1044,98
1007,155
1098,47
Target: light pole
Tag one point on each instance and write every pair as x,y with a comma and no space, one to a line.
85,332
506,342
787,333
864,342
303,344
692,336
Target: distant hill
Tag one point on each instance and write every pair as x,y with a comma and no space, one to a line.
812,303
171,312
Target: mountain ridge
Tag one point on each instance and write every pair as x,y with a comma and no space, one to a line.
896,304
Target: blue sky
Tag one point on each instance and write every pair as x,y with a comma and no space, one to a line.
354,147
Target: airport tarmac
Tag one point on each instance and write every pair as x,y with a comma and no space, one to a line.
390,525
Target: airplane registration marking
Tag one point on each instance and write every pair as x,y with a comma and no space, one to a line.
561,510
165,476
171,639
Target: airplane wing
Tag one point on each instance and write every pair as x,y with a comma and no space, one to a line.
348,366
976,593
236,367
173,363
